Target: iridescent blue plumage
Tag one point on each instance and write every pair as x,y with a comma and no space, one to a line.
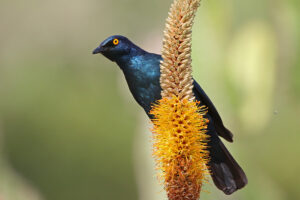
143,78
142,73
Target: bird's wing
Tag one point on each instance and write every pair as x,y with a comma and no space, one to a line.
212,111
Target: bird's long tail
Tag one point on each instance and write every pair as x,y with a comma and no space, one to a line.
226,173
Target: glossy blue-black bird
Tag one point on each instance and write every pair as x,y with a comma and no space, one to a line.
142,73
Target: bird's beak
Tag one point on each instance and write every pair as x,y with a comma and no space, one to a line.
98,50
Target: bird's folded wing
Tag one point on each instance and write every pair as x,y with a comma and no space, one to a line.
212,111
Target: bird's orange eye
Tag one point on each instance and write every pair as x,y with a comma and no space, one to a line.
116,41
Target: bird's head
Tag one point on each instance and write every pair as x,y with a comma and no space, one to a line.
115,47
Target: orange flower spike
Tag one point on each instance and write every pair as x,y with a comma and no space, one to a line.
180,142
180,148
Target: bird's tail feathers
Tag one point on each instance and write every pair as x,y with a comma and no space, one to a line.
226,173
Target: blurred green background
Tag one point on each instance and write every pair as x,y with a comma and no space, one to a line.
69,128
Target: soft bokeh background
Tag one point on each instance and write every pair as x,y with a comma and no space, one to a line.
69,128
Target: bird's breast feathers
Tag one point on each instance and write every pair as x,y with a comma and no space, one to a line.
142,75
